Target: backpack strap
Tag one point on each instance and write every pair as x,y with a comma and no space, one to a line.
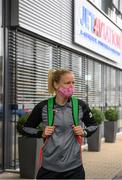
74,101
75,109
75,116
50,111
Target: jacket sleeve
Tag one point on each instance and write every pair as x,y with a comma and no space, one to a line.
88,120
30,127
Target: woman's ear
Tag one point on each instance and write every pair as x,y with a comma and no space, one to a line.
56,86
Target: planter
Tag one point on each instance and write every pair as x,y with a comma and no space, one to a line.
29,151
110,130
110,126
94,141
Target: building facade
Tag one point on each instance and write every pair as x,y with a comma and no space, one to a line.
37,35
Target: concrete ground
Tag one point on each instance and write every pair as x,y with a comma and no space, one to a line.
106,164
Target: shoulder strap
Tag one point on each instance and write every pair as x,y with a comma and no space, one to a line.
75,109
50,110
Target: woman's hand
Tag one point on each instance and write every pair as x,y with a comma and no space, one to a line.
48,131
78,130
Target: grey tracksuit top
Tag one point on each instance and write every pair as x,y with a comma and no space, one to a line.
61,151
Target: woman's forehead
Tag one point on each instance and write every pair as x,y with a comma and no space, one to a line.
67,76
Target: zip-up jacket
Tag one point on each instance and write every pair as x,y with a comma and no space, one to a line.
61,152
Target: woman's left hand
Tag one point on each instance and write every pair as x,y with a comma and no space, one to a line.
78,130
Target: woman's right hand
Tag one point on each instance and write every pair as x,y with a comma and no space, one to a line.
48,131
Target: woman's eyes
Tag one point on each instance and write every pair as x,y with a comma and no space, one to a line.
69,82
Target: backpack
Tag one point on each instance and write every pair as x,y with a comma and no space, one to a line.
50,111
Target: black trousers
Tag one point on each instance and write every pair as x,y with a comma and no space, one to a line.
77,173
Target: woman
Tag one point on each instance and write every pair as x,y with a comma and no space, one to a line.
61,152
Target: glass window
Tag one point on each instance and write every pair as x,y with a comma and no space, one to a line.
116,3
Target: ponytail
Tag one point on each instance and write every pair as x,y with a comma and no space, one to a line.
51,89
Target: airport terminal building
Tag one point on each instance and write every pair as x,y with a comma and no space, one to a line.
36,35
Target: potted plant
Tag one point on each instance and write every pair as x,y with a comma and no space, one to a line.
110,125
29,151
94,141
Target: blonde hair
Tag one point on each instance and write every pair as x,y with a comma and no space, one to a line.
54,75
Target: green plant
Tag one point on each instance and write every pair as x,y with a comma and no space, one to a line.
22,120
98,115
111,114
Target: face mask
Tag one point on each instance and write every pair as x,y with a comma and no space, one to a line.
66,92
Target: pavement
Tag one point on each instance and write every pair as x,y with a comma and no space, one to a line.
105,164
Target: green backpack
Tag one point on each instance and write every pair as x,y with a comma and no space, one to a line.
51,118
74,101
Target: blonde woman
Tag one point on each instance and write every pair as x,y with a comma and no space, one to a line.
61,153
